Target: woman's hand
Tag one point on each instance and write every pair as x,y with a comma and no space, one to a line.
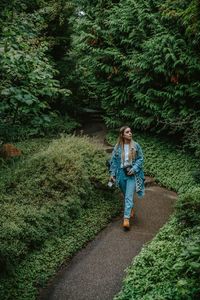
112,178
131,172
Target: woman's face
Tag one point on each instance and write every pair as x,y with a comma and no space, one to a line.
127,134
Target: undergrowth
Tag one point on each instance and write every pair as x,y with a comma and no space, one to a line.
169,266
45,196
51,197
33,272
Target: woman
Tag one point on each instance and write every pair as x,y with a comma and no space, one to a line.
126,170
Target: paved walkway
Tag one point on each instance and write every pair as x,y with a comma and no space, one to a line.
96,272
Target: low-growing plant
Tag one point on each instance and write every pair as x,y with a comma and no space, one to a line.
46,192
196,175
32,272
188,208
168,268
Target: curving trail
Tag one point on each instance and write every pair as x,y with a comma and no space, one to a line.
96,272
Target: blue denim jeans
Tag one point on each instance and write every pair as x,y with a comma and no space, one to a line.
127,186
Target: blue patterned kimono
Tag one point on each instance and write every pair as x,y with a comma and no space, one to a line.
137,167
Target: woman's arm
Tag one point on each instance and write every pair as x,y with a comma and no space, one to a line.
138,163
113,163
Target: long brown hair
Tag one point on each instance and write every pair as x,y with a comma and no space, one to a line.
120,141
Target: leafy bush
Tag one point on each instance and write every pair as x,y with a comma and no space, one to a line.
40,264
44,126
168,268
46,192
196,175
188,208
29,83
140,61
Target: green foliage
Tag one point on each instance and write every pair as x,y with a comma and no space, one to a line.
44,125
29,87
165,269
168,268
140,59
32,272
28,75
187,13
188,208
46,192
196,175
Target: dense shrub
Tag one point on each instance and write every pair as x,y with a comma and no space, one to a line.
168,268
30,90
139,60
46,192
188,208
49,127
41,264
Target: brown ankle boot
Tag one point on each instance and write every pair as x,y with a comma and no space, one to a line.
126,224
132,213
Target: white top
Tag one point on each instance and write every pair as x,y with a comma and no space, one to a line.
126,152
126,158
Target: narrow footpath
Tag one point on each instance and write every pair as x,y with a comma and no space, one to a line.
96,272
